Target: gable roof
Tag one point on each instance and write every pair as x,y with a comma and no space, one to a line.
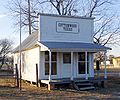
28,43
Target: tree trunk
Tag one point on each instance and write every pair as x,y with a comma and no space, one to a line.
3,60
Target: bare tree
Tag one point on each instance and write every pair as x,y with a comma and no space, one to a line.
106,29
105,32
28,13
5,49
64,7
30,8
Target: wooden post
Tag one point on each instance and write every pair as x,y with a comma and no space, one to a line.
17,76
72,66
86,68
37,75
105,71
50,66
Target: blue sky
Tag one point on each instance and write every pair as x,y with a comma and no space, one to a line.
7,29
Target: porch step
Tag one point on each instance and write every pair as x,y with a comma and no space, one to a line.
83,85
81,81
87,88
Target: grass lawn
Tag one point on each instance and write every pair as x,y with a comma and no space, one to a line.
8,91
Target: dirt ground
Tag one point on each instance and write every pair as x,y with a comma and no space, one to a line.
8,91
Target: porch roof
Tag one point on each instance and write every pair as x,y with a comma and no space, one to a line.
74,46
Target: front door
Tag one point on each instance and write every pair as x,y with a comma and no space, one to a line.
66,65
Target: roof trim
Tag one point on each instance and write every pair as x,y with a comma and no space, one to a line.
65,16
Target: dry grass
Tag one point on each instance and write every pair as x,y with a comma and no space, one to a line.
8,91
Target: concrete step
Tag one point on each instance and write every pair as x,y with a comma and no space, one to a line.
87,88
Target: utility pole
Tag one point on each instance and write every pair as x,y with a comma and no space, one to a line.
29,17
20,46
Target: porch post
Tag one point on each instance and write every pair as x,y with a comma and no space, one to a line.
86,70
105,71
50,65
71,65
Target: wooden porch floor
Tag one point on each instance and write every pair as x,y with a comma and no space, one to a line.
67,80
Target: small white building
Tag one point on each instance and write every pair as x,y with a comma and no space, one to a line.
63,48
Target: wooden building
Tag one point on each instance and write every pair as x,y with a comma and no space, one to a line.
63,48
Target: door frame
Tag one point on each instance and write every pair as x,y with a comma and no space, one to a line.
82,75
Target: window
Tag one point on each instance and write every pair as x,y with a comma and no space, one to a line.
23,62
82,62
66,58
46,68
53,63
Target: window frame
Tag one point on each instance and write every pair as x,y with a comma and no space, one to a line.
53,61
83,61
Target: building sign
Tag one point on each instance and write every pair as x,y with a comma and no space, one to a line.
69,27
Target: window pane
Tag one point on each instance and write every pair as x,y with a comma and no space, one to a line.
87,67
46,68
67,58
53,62
54,56
54,69
46,56
81,56
81,67
87,56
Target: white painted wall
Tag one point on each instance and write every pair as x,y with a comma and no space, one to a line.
48,29
63,70
31,59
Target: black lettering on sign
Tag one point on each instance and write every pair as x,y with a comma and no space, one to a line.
67,27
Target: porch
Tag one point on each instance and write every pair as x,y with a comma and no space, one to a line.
76,83
80,56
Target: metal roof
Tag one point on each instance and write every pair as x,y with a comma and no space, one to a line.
28,43
74,46
32,40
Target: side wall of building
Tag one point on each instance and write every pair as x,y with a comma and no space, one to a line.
28,63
